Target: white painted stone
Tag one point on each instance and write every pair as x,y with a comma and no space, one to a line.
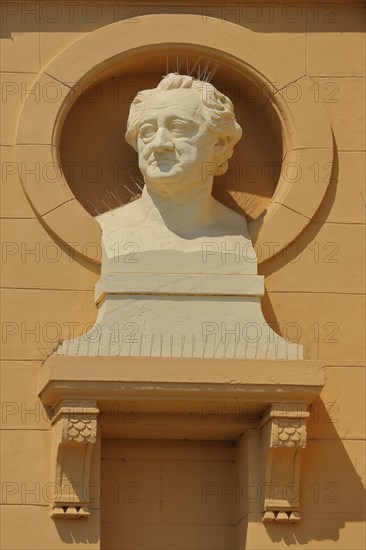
176,284
182,326
179,272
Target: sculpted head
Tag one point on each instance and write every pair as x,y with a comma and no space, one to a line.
181,128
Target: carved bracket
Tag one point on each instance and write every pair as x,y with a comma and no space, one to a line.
283,441
74,432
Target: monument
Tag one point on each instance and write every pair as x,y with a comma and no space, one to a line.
176,388
179,272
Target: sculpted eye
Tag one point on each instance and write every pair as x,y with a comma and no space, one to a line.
147,131
178,128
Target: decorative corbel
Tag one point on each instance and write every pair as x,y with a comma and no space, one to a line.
283,440
74,432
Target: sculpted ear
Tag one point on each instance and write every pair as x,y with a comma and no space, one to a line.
223,150
221,145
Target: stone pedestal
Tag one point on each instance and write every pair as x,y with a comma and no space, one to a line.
181,315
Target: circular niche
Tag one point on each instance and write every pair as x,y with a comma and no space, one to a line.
271,175
101,169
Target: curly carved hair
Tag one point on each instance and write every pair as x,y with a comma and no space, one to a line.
217,109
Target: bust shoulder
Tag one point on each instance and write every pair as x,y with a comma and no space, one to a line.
124,216
232,221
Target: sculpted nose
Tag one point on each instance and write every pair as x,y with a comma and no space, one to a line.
162,140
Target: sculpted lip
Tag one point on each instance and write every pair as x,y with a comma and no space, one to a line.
162,160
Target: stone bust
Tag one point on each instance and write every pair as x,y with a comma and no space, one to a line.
184,132
179,273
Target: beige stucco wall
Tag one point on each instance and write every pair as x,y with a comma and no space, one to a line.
47,293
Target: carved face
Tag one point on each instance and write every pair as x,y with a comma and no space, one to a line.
174,142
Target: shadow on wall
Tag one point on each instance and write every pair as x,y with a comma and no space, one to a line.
84,531
293,254
314,309
311,230
332,491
